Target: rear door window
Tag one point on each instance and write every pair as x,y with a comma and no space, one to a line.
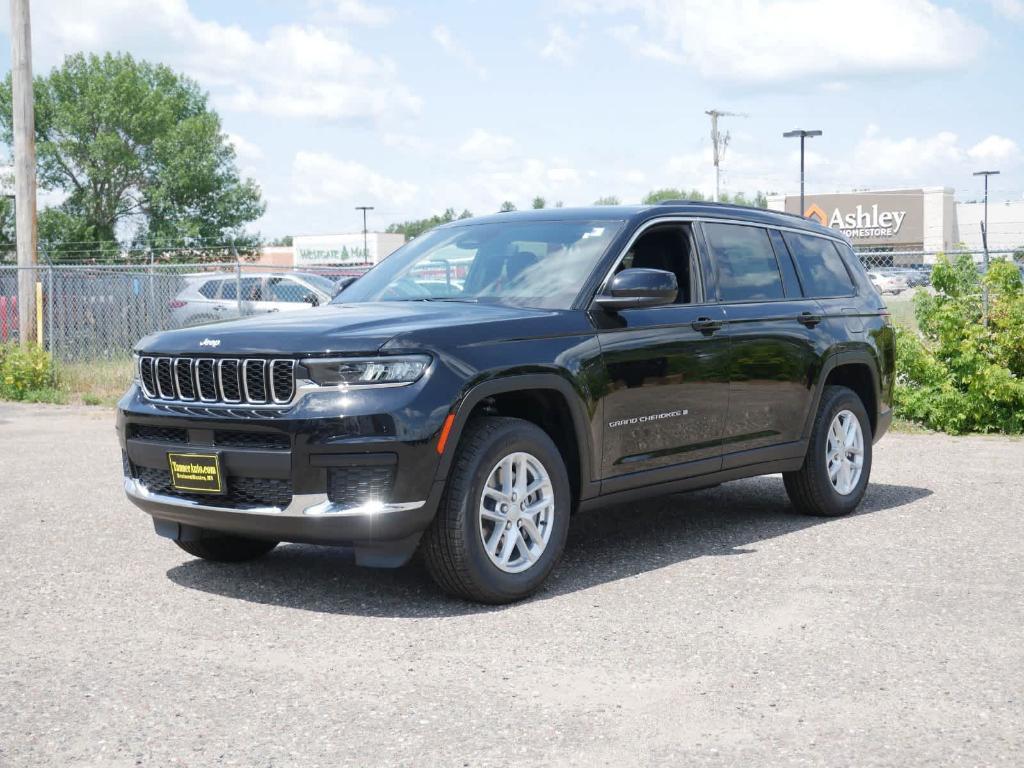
251,289
209,288
820,265
283,289
745,263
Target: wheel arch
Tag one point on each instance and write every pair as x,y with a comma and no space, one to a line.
561,414
856,369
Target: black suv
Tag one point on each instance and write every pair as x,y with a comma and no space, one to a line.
497,375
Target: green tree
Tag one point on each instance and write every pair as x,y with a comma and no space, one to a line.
6,228
539,202
962,374
507,206
608,200
670,193
417,227
139,156
655,196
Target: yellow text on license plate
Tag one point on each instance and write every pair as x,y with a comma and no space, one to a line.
195,472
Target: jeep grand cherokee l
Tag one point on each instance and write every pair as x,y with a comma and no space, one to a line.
586,357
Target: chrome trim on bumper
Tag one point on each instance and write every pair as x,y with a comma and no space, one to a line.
310,504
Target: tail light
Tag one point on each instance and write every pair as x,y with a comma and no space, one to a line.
176,304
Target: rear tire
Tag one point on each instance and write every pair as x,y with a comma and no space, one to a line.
832,481
224,548
492,541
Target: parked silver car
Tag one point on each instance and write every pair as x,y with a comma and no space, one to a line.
214,296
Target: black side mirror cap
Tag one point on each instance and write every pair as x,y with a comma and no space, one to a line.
639,287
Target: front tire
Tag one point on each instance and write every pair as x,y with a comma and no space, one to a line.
502,523
223,548
837,466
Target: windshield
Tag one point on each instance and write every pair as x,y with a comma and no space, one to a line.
528,263
319,282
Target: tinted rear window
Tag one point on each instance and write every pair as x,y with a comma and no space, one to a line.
745,263
209,289
821,268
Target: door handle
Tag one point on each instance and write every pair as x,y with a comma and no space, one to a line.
706,325
218,308
809,319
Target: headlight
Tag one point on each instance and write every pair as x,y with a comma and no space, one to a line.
136,367
367,372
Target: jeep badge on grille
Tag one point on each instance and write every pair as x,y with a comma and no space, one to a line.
209,343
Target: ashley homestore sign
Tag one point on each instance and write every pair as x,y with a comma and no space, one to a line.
870,218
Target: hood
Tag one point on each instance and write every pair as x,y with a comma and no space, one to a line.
333,329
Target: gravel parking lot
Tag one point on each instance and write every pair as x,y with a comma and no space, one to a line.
714,628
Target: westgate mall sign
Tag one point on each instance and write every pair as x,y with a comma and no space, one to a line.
869,218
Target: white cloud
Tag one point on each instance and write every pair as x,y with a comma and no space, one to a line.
482,146
359,12
759,41
407,142
912,159
245,149
319,177
293,70
444,38
560,46
630,36
1011,9
995,148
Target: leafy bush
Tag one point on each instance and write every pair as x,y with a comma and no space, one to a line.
960,375
24,371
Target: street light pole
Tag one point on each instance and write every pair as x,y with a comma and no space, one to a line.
984,243
366,247
803,135
24,167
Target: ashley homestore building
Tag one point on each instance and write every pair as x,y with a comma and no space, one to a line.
927,220
886,219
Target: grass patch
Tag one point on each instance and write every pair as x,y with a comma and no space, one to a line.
906,427
902,308
98,382
45,395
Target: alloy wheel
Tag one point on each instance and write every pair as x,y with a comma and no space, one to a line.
844,452
517,512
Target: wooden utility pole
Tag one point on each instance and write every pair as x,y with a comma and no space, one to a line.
24,168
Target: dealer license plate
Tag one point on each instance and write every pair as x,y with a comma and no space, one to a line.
196,472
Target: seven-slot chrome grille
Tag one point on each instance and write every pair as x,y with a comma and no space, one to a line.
227,381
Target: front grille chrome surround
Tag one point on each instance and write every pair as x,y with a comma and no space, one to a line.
254,381
282,380
184,378
165,379
250,381
147,375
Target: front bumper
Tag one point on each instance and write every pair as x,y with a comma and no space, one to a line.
379,534
305,455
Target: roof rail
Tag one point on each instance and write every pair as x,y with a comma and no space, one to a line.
731,205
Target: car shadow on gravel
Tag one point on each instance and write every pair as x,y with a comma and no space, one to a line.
604,545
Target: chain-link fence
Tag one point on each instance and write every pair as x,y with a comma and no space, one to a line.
98,312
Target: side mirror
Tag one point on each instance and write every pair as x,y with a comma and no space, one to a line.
639,288
312,299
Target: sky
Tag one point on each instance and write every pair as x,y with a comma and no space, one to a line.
413,107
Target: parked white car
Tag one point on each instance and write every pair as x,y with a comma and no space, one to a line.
888,282
208,298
